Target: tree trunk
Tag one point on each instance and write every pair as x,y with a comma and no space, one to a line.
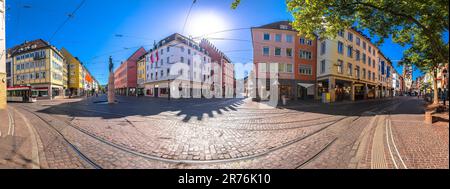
435,88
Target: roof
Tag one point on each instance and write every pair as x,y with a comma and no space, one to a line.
28,46
181,38
214,48
277,26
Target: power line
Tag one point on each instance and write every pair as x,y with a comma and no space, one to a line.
187,17
71,15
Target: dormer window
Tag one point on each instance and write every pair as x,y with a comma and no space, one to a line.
284,27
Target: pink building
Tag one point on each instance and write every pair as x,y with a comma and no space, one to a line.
125,77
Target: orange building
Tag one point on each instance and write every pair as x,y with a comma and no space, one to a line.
305,66
295,57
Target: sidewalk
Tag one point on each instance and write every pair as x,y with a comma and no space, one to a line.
18,142
422,146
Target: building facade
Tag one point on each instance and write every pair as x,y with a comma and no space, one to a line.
141,75
192,71
274,47
408,77
39,65
305,67
225,70
74,75
125,77
348,68
3,54
9,71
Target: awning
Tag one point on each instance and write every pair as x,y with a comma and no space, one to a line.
306,85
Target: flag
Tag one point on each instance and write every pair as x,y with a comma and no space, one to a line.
151,58
157,56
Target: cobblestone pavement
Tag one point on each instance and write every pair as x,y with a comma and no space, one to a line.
197,133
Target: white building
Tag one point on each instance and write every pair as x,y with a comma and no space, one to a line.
180,63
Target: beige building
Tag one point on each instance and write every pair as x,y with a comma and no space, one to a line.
349,68
2,55
39,65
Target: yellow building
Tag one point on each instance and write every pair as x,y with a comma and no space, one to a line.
141,74
349,68
3,76
40,66
75,72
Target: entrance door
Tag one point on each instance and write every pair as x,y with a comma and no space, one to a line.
156,92
301,92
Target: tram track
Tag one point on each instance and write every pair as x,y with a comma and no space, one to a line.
82,156
156,158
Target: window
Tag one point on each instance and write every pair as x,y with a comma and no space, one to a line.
168,48
162,51
182,59
302,41
162,73
350,37
370,50
364,73
168,60
289,68
358,55
323,47
266,51
358,41
278,37
350,51
281,68
277,51
370,61
373,76
189,51
289,38
341,33
358,76
370,75
305,55
340,66
305,70
322,66
340,47
168,71
349,69
364,58
189,62
373,63
266,37
289,52
364,45
309,42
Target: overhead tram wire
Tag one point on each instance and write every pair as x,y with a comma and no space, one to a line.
145,45
187,17
71,15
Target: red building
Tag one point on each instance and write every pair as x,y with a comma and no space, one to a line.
125,77
226,67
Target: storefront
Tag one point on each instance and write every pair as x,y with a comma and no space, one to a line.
305,91
360,91
343,90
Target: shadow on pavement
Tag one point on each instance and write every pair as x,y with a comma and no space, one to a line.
200,108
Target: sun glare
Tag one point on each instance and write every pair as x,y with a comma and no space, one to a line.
206,23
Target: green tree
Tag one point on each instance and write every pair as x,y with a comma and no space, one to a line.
416,24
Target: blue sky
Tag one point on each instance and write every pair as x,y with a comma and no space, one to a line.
91,33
